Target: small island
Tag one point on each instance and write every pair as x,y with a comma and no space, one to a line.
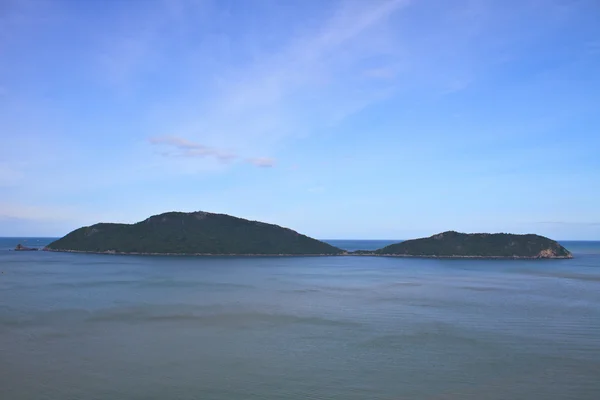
20,247
478,245
203,233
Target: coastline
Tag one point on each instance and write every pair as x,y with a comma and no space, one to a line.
345,254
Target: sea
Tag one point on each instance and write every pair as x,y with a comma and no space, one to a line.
87,326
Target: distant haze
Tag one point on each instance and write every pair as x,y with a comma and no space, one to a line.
382,119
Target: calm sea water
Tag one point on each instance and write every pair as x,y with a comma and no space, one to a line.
76,326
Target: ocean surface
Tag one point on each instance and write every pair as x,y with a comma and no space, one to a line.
78,326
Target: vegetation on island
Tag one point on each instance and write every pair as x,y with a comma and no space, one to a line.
455,244
220,234
192,233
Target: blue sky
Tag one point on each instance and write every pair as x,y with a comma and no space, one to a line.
339,119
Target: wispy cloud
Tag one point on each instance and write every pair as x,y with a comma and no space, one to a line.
263,162
311,58
180,147
284,94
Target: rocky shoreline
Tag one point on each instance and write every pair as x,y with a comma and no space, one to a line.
119,253
20,247
361,253
466,257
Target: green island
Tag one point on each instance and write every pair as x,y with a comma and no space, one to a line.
203,233
196,233
478,245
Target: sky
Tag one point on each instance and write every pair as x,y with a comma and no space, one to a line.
347,119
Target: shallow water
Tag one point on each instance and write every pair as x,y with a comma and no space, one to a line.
132,327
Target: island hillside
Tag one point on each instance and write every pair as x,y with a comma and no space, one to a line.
192,233
483,245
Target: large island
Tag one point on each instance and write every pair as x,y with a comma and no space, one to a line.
203,233
196,233
478,245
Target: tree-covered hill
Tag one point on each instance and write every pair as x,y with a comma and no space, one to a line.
192,233
455,244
